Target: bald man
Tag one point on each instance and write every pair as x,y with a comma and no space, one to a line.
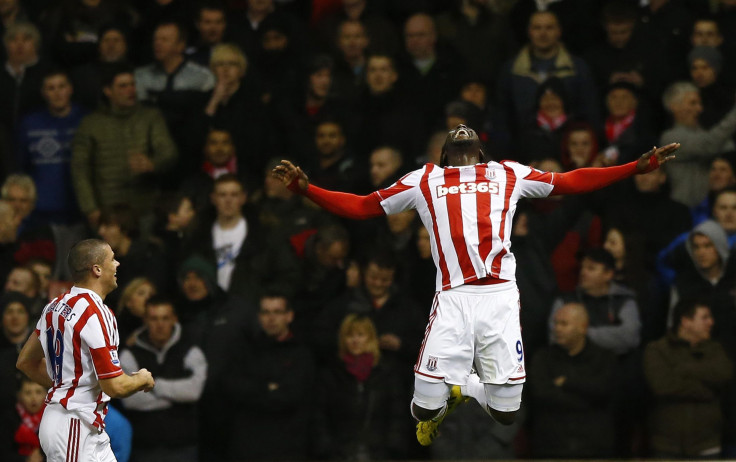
572,391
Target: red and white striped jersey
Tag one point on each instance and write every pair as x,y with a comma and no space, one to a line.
79,336
468,212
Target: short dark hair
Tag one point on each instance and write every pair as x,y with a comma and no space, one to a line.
211,5
382,258
599,255
230,178
619,11
180,29
155,300
54,72
122,215
388,56
83,255
686,308
275,292
110,71
328,235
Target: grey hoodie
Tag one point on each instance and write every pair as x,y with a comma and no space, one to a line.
716,234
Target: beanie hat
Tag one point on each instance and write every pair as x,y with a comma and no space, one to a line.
15,297
203,268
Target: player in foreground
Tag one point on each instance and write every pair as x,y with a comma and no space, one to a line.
467,204
75,355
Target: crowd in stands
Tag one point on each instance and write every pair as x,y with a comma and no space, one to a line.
276,331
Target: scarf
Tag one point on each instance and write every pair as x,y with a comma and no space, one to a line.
550,124
614,128
360,366
214,172
26,436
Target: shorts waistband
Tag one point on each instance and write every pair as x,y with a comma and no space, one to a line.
475,289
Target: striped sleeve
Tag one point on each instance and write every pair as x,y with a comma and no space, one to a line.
100,336
401,195
531,182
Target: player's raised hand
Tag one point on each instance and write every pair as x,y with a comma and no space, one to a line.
286,172
656,157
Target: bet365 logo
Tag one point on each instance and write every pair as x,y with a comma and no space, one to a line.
468,188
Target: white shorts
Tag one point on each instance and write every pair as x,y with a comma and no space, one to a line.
66,438
473,326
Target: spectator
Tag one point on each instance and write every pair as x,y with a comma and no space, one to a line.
44,271
279,59
664,24
237,105
112,47
707,32
178,87
580,147
474,22
387,116
141,257
19,191
625,56
24,281
386,163
19,427
270,389
119,149
11,12
722,175
44,148
613,314
572,390
380,30
542,137
176,225
22,74
220,322
348,427
351,50
333,165
689,178
165,419
248,262
219,158
705,65
71,27
132,308
8,238
687,372
15,308
626,128
430,74
211,24
545,56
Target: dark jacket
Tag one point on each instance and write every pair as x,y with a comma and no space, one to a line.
687,382
358,419
273,423
574,420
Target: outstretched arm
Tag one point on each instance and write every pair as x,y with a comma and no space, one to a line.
343,204
585,180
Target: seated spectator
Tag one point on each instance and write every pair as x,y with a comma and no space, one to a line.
385,169
138,257
572,391
270,388
220,157
237,105
19,426
716,95
542,138
71,27
112,47
44,147
132,307
580,147
165,420
387,116
16,326
626,127
346,428
614,323
248,261
211,24
722,175
689,178
687,373
119,149
545,56
22,73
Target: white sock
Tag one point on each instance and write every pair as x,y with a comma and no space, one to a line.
475,389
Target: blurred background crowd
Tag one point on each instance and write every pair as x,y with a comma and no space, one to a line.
278,332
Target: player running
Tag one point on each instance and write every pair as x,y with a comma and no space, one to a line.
467,204
75,354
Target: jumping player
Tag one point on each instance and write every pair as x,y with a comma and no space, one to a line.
74,354
467,204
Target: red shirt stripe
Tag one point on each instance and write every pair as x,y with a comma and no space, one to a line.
427,194
485,226
510,183
457,231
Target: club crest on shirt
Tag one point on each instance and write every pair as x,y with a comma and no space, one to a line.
432,363
114,357
490,174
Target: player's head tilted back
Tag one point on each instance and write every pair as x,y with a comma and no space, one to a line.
462,147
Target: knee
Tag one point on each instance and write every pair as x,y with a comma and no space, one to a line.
504,418
423,414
